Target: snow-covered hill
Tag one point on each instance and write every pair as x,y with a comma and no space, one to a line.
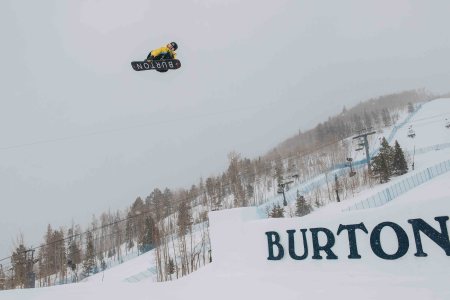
241,247
244,272
430,146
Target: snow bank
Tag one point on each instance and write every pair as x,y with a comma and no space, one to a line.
247,243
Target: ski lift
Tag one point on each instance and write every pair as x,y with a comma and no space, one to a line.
283,185
361,142
295,177
349,164
280,189
411,132
291,174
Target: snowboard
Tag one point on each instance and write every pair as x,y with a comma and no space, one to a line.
165,64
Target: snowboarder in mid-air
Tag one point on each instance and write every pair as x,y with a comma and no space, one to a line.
161,59
165,52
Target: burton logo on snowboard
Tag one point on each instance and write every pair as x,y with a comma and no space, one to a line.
166,64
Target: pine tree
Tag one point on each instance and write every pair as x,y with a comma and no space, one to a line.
73,258
48,255
279,170
302,207
19,266
136,220
147,243
60,258
103,264
129,231
89,264
184,220
382,163
277,211
168,206
170,266
399,164
74,252
380,168
386,149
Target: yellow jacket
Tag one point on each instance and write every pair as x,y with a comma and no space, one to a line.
163,50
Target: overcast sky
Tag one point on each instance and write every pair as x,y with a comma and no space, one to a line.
81,132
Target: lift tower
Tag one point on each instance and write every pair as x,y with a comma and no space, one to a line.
366,144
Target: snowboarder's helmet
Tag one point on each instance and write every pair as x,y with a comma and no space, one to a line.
174,45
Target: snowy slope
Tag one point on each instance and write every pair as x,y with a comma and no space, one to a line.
429,126
240,268
430,146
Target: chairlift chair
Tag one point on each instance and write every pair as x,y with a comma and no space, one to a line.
360,141
411,133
